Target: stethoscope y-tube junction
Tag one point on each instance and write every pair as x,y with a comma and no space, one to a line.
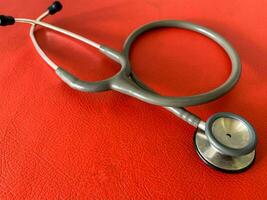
226,141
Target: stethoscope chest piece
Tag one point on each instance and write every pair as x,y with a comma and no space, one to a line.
227,144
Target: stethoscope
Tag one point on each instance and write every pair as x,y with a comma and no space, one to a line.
226,141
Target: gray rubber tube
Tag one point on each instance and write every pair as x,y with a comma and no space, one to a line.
231,81
126,82
182,113
200,98
121,81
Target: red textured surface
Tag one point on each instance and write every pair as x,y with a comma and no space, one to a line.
57,143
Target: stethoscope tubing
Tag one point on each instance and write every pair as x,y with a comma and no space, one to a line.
127,82
180,112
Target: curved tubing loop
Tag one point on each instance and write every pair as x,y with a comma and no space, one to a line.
131,85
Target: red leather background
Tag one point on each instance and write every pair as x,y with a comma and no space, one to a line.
57,143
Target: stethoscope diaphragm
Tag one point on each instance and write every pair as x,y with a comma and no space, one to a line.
227,144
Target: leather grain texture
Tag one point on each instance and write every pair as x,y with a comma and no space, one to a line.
57,143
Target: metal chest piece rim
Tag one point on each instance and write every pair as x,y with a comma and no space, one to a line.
229,146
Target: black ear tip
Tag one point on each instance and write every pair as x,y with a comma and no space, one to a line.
55,7
6,20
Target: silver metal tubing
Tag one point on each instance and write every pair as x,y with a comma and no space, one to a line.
36,45
60,30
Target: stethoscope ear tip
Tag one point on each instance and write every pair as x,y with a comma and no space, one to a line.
6,20
55,7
